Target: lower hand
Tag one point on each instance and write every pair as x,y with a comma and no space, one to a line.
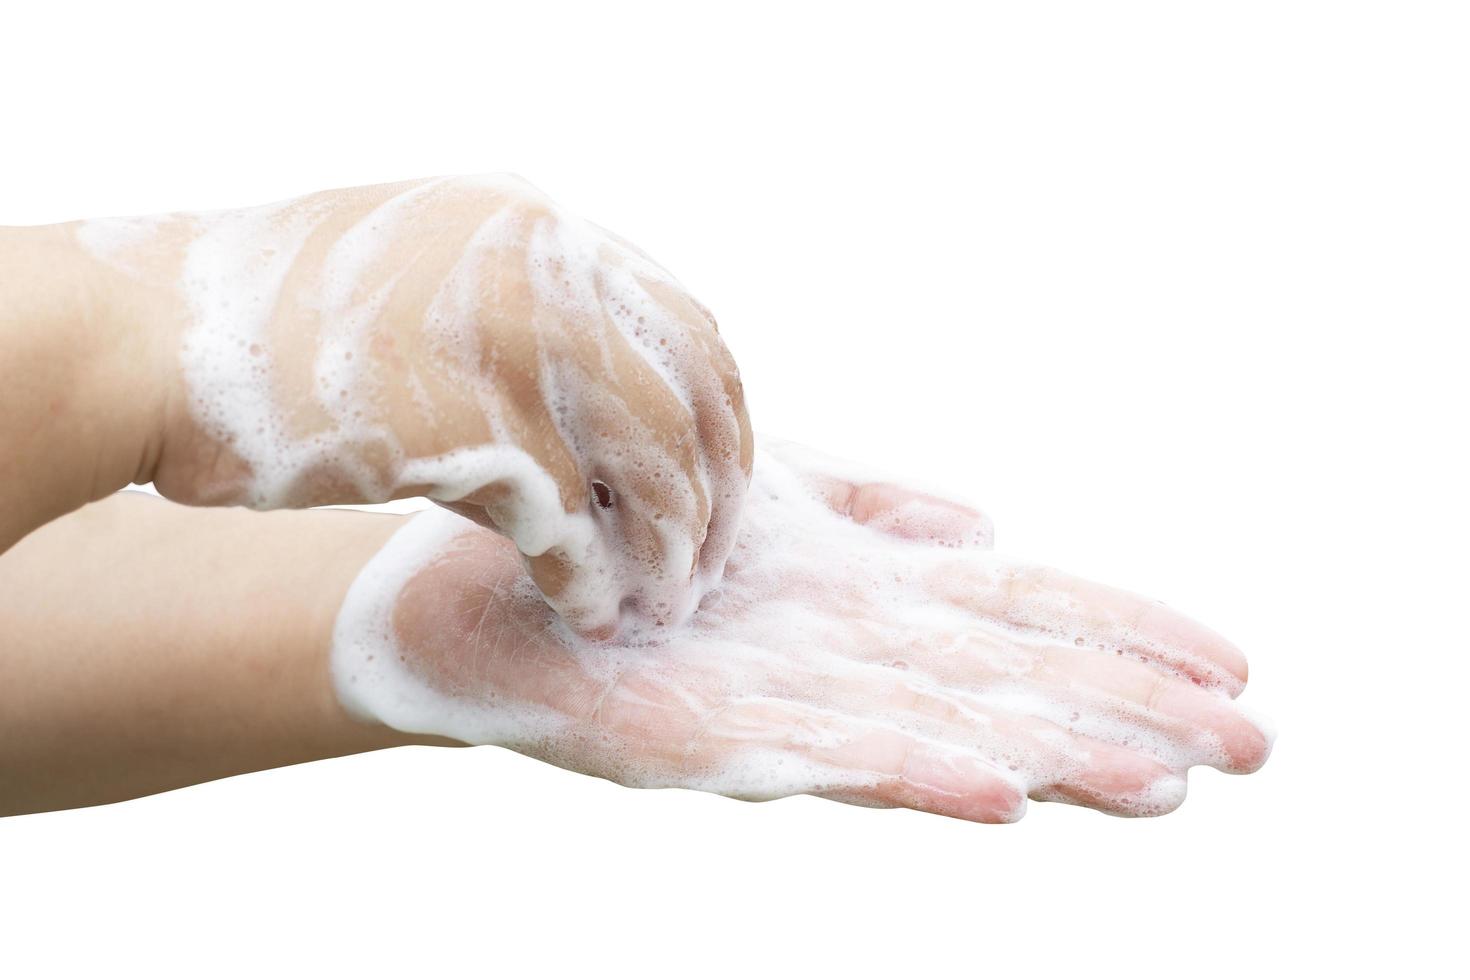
880,667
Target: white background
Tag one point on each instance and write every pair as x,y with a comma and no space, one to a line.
1177,291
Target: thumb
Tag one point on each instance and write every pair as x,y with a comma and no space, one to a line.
883,504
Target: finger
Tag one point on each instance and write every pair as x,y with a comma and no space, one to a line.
1067,608
590,613
1207,728
728,447
1056,764
719,426
916,775
1116,780
848,759
882,504
1102,695
906,513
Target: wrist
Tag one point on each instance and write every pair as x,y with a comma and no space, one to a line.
82,386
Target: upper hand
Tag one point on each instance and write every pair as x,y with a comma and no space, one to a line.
464,339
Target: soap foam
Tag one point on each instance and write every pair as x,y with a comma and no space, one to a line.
828,661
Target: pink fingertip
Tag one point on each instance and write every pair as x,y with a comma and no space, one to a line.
962,786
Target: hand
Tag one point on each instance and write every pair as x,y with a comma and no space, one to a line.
836,660
464,339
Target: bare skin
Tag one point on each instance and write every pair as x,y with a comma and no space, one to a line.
388,329
82,409
149,645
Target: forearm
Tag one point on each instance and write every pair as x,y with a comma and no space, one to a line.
81,392
146,646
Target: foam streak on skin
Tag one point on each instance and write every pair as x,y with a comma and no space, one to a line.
531,518
232,279
831,662
465,338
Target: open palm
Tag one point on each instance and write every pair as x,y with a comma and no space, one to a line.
865,646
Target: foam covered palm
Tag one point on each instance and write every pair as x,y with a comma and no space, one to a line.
864,646
464,339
